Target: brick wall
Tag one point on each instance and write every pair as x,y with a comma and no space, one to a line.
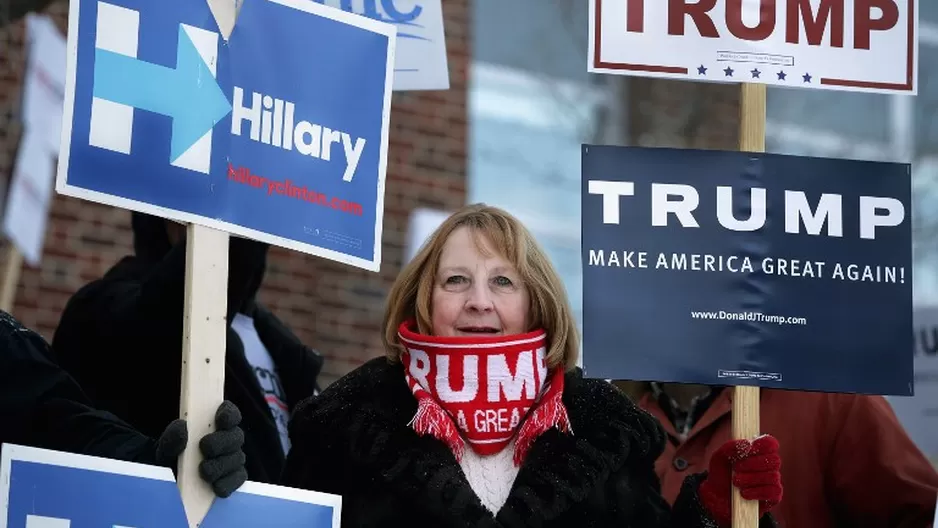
331,307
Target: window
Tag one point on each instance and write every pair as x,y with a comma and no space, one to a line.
532,104
525,157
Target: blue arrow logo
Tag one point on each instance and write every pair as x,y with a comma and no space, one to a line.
189,94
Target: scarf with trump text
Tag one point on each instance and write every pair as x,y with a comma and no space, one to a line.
484,391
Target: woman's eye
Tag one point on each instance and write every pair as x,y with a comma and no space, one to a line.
503,281
456,279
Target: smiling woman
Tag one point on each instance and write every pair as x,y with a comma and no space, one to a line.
477,291
482,268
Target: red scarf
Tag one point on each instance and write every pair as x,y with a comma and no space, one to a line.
455,380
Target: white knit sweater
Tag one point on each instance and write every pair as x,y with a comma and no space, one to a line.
491,477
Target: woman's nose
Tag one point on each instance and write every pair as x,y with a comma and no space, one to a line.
479,298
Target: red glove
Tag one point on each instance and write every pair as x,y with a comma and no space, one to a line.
754,467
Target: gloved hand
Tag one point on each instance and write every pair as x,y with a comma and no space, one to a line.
223,461
223,464
753,467
172,443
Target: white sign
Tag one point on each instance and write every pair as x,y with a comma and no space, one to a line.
30,194
27,210
420,57
919,413
854,45
44,81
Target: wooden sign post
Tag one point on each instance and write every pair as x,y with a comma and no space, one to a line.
204,333
746,399
12,267
203,357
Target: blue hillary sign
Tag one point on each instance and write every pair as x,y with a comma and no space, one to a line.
735,268
277,134
50,489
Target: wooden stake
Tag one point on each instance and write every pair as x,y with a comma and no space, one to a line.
746,399
203,357
12,266
752,118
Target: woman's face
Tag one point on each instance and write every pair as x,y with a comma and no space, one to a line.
475,294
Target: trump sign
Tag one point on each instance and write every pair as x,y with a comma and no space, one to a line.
737,268
857,45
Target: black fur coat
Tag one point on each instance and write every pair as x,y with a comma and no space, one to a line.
353,440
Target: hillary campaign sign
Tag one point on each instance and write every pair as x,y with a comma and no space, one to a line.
735,268
50,489
420,56
278,134
856,45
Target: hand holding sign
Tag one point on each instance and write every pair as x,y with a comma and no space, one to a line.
752,468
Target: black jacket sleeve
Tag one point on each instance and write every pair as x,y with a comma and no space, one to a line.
42,406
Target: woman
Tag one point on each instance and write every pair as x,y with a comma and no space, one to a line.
478,415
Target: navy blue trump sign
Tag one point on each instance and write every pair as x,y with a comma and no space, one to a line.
50,489
278,134
735,268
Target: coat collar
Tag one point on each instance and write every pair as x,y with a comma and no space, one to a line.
560,471
721,406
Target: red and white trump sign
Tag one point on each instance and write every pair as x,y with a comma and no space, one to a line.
857,45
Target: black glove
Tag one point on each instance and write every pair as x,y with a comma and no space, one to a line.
172,443
223,460
223,464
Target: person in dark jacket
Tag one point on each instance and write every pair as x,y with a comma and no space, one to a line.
42,406
479,417
121,338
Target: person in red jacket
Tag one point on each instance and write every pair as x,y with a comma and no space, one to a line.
848,460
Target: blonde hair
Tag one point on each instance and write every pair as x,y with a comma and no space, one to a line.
412,292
